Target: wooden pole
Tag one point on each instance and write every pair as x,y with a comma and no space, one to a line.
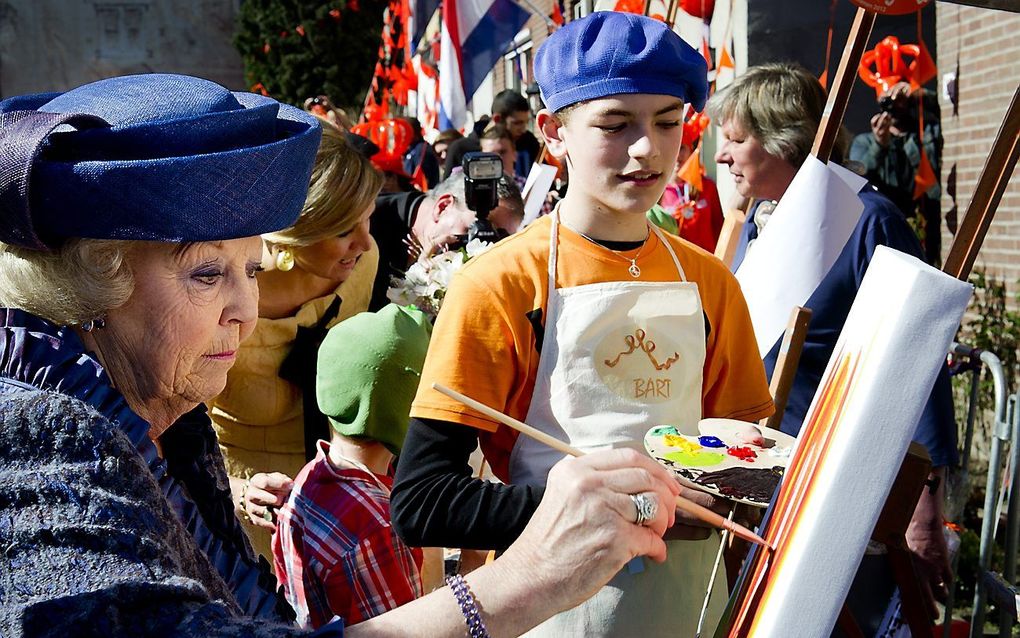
786,364
987,194
729,237
671,12
839,94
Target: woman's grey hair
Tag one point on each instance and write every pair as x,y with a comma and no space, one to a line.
780,105
82,280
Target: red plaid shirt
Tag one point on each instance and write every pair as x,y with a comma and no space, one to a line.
334,549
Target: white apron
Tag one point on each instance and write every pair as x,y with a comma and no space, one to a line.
617,359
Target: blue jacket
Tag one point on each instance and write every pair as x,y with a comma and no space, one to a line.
881,224
101,537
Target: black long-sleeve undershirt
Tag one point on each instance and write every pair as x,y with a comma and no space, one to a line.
436,502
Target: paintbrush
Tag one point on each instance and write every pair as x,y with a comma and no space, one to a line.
690,507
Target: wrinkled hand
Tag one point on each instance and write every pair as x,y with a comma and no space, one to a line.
927,544
880,125
265,493
689,528
583,531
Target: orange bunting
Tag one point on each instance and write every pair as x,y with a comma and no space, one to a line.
691,171
300,30
335,14
823,79
922,68
725,60
259,88
266,48
706,53
924,178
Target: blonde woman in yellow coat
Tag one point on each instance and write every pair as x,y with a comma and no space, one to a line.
319,272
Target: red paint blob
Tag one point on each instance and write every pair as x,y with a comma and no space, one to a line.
742,453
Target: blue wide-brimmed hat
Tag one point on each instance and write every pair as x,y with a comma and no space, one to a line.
154,157
611,53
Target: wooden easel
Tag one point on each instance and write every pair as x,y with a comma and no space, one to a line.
890,530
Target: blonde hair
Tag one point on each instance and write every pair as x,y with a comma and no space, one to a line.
82,280
780,105
344,183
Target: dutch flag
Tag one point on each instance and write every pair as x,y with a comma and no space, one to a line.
476,34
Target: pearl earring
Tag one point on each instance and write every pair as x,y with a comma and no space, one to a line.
284,260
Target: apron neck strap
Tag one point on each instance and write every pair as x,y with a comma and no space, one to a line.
554,236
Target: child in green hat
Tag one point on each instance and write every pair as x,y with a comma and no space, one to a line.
334,550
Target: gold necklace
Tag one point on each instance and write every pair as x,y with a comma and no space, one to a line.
633,269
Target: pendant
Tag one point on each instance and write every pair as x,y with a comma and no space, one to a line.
634,270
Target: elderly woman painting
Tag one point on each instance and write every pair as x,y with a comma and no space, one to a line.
130,215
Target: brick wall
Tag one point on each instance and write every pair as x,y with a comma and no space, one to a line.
988,46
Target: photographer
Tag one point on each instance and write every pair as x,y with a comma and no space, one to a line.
891,155
406,225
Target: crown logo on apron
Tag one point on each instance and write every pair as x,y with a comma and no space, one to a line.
636,342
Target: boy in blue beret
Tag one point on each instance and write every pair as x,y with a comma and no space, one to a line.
590,325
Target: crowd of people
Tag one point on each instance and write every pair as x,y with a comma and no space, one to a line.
214,422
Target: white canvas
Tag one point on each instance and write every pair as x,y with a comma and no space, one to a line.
900,326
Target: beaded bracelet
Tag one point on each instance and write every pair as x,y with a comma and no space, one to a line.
468,606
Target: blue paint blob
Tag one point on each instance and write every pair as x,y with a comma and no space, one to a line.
710,441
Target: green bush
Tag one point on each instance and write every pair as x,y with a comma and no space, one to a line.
336,56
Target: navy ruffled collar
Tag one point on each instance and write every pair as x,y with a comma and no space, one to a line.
43,355
49,357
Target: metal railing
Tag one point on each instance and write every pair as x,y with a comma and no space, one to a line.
1004,432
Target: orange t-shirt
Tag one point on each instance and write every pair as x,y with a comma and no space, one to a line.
484,342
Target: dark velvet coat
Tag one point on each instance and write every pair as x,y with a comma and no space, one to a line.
100,535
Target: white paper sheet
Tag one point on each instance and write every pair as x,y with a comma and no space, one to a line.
808,230
540,180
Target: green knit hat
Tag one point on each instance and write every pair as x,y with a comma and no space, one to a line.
369,368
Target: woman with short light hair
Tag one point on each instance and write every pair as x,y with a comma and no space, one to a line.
318,272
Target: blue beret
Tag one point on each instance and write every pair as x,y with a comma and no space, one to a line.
609,53
154,157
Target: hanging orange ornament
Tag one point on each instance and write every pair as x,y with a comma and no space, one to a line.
886,65
629,6
892,7
698,8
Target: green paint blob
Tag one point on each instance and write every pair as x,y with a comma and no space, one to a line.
695,459
663,430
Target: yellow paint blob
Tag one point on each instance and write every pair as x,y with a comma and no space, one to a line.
677,441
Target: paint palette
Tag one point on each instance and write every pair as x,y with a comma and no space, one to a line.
728,458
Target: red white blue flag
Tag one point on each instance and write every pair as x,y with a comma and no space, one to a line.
476,34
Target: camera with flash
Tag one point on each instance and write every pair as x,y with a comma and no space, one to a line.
482,172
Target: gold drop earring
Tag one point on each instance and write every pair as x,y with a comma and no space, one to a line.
284,260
